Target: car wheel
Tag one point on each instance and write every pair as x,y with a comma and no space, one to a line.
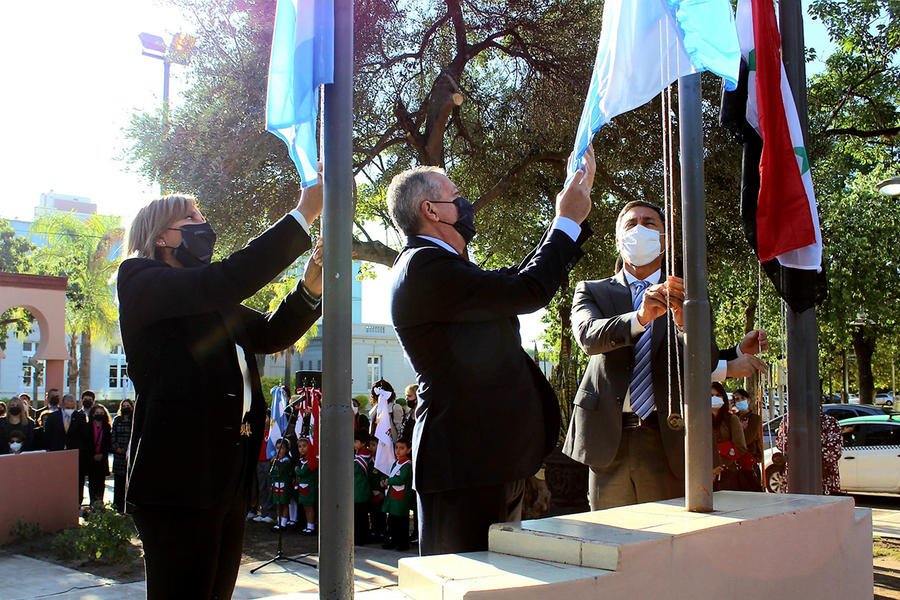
776,482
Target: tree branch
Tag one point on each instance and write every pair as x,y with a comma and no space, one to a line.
862,133
513,173
374,251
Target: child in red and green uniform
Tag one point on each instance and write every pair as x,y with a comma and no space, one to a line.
398,498
377,519
305,487
281,474
361,488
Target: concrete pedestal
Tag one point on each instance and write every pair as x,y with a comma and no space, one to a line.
754,546
39,487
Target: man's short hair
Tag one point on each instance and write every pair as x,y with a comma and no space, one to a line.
88,393
407,192
67,398
629,205
25,398
361,436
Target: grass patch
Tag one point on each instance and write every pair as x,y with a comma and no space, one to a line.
886,548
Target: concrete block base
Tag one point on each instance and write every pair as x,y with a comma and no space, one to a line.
753,546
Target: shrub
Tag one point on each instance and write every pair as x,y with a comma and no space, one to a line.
105,535
22,530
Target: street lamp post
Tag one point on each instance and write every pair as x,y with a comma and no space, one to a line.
179,51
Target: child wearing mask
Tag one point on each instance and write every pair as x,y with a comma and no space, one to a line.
361,488
281,474
305,486
16,441
398,498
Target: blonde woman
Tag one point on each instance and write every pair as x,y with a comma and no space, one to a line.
191,345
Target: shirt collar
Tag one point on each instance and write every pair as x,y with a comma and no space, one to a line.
630,279
440,243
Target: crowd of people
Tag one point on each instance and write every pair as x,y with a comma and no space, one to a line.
286,490
64,424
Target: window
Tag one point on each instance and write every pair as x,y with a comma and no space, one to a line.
882,434
118,369
29,372
841,413
318,365
373,369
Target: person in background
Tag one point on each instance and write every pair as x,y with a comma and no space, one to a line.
2,409
266,510
360,420
98,446
16,442
751,423
281,474
398,499
305,486
832,448
409,420
120,435
16,419
394,409
361,488
87,401
728,440
377,521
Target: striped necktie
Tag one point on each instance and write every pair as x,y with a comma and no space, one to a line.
641,378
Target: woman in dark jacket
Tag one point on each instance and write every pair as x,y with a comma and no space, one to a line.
16,419
120,434
97,447
191,345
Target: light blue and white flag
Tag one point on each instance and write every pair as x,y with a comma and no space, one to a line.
302,59
279,419
647,44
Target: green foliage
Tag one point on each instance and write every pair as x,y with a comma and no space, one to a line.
363,402
14,258
105,536
22,530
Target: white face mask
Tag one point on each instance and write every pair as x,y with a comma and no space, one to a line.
15,446
742,405
355,409
68,412
639,245
717,402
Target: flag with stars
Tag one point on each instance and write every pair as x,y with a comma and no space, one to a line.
778,204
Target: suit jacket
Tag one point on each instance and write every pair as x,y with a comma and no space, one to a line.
57,438
601,323
486,414
179,329
90,447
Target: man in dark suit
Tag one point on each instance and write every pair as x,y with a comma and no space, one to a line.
486,416
67,429
619,422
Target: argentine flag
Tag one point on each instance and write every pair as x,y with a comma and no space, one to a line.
302,59
647,44
279,419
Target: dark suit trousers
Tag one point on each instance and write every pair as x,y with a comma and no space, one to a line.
458,520
192,553
97,479
639,473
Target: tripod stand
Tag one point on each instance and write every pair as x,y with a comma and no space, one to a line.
281,557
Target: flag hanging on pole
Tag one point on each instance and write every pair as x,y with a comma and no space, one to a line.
778,205
279,419
647,44
301,60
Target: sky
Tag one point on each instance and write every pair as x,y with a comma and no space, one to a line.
75,75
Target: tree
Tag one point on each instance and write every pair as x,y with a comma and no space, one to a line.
87,252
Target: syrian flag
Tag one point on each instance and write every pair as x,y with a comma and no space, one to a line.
778,206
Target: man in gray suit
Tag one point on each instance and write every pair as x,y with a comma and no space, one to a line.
619,421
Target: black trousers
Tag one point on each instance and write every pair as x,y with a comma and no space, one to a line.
97,480
192,553
119,492
360,523
458,520
398,531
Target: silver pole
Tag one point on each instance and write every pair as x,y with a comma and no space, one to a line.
698,439
336,453
805,434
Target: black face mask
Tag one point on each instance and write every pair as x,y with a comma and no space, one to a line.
196,247
98,417
465,223
86,405
126,412
14,411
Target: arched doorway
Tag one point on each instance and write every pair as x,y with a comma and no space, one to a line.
45,298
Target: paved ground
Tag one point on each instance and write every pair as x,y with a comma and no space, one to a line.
885,513
28,578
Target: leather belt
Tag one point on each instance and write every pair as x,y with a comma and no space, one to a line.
632,421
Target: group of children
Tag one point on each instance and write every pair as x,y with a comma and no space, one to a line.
375,495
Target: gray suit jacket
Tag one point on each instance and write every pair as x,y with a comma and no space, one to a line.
601,323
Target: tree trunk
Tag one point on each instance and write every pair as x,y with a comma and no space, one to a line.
84,365
864,346
72,365
567,377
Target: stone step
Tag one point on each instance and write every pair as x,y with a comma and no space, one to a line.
490,575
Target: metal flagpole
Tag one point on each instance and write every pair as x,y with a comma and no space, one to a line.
336,451
698,441
805,433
